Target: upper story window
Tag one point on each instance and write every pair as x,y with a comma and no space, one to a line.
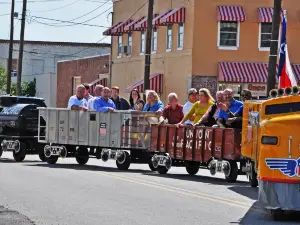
142,43
76,82
129,45
154,40
180,36
119,45
169,38
265,33
228,35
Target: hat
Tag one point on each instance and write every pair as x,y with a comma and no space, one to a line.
192,91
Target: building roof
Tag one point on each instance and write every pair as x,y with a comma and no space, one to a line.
75,44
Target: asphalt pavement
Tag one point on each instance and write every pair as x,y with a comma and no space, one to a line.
33,192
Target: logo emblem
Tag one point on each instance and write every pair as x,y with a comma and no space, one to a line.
288,167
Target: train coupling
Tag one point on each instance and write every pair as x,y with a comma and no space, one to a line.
220,166
13,145
162,160
52,150
117,155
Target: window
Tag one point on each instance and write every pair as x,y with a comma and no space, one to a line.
142,43
265,33
169,37
228,37
76,82
119,45
282,108
129,46
154,40
180,36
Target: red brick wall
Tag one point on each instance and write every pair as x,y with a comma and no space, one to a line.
88,69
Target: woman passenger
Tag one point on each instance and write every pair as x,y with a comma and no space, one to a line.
200,107
153,103
136,103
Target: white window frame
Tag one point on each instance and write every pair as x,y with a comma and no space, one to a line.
154,30
129,46
237,38
263,49
119,54
142,42
74,84
169,27
178,36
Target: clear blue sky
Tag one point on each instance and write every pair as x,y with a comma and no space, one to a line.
60,10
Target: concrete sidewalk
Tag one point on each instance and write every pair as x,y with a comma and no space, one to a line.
10,217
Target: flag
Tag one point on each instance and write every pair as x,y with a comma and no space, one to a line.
286,76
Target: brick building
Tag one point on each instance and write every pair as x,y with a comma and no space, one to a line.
213,44
91,70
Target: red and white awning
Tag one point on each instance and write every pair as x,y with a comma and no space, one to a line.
102,81
132,26
296,69
174,16
265,15
142,25
119,30
109,30
231,13
157,20
156,84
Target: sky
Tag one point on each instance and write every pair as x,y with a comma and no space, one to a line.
38,29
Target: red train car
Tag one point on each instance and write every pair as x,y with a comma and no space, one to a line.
217,149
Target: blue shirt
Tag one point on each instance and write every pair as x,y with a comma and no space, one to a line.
74,101
102,105
158,105
236,107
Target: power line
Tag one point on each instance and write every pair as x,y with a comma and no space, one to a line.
62,7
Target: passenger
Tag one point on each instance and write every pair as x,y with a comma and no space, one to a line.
173,111
104,103
200,107
98,93
136,103
211,116
77,102
192,95
87,95
153,103
231,111
120,103
246,95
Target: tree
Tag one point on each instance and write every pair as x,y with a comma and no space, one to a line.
3,77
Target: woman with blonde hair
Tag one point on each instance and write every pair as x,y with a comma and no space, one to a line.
153,102
200,107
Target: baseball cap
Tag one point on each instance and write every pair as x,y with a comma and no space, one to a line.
192,91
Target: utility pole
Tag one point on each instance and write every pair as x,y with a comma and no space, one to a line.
274,46
21,47
148,45
11,45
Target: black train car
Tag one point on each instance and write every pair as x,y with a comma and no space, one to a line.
19,126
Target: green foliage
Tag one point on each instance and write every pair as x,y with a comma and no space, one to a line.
27,88
3,76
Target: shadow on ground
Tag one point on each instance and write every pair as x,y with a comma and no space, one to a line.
246,191
7,160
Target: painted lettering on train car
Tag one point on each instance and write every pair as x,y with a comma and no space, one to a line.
199,136
178,141
208,139
189,138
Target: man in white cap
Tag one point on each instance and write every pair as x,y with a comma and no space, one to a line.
192,96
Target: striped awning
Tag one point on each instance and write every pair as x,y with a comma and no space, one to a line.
109,30
249,72
142,25
231,13
157,20
119,30
156,84
265,15
93,84
174,16
132,26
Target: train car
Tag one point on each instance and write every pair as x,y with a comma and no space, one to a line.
19,126
123,136
277,140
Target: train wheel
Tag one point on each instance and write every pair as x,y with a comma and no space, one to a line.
277,214
1,151
192,168
233,174
83,156
253,178
126,164
21,154
42,156
52,160
162,170
151,165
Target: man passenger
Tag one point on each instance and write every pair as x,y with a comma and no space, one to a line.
87,95
192,96
104,103
77,102
98,93
173,112
246,95
120,103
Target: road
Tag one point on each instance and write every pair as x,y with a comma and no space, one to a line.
34,192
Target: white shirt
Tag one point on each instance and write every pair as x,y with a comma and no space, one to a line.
90,103
186,108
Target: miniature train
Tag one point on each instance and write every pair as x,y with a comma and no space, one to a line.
19,126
